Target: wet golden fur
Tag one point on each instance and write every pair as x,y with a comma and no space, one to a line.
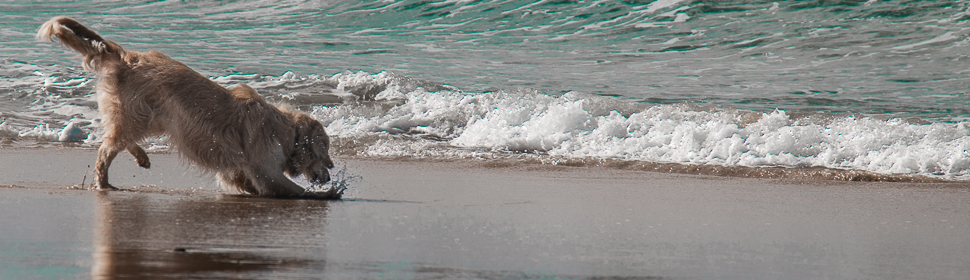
250,144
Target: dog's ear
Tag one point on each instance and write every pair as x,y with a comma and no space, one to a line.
311,136
303,126
302,152
322,146
314,134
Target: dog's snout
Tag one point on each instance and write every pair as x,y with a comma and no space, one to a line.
321,177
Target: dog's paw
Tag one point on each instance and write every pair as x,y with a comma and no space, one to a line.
331,193
105,187
142,160
144,163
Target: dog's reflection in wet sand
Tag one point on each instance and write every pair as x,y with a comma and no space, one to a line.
157,235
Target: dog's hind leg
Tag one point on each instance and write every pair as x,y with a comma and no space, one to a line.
112,145
140,156
106,154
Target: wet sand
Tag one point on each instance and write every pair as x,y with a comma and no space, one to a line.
465,219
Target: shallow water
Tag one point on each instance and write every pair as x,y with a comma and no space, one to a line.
871,86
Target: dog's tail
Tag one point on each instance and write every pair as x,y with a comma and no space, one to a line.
79,38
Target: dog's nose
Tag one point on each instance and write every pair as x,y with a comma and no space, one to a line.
322,177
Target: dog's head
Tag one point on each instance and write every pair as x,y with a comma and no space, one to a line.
311,150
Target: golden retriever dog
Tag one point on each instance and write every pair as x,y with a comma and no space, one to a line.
251,145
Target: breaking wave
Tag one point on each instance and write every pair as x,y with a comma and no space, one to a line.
386,115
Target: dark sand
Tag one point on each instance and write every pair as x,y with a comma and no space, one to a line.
407,220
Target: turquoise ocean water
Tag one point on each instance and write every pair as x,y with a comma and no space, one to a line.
877,87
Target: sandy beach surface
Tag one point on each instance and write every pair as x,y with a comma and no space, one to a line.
469,219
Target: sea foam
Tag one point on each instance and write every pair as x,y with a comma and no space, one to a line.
453,123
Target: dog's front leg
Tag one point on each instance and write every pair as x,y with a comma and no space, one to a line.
236,181
106,154
271,182
140,156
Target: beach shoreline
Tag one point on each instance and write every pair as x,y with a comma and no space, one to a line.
473,219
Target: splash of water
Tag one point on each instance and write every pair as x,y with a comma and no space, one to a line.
341,178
